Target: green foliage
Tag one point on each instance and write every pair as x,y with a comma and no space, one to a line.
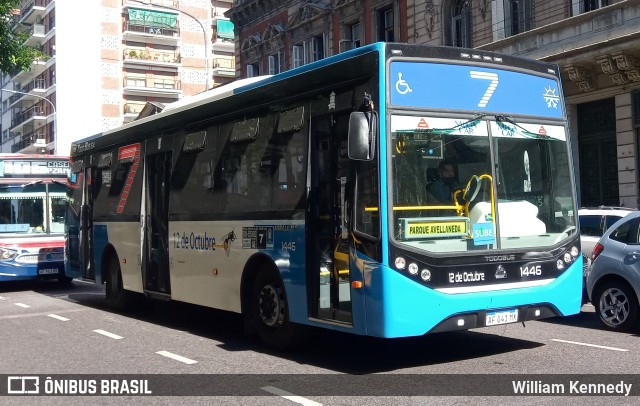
13,55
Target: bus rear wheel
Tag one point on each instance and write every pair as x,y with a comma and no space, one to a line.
270,312
116,297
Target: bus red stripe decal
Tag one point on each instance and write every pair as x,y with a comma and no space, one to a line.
135,151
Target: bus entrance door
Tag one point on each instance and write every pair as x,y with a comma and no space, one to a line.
329,256
156,241
86,226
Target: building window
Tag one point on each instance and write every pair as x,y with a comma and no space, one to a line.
275,63
355,35
518,16
584,6
253,69
317,48
461,24
136,82
386,25
299,55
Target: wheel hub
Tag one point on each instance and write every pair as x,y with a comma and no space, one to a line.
270,306
614,307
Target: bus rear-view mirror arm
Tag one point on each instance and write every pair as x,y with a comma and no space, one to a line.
362,133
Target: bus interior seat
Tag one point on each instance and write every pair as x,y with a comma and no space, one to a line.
432,175
517,218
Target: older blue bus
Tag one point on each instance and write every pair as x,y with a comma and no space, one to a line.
33,195
307,198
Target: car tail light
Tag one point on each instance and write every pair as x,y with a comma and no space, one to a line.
596,251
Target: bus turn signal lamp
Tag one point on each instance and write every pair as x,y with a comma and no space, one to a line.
356,284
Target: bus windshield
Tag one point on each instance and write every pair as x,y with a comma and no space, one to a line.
32,208
482,183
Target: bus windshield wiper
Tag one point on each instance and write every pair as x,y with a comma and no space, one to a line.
35,182
501,120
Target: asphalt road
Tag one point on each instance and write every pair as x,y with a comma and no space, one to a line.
67,333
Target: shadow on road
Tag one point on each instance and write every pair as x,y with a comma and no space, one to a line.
341,352
587,318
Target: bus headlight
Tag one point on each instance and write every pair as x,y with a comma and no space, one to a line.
400,263
413,268
425,275
575,251
560,265
7,254
567,258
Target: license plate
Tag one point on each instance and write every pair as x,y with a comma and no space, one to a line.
502,317
48,271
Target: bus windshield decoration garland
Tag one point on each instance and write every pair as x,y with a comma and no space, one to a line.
392,190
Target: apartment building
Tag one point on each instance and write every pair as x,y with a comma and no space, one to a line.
596,43
108,59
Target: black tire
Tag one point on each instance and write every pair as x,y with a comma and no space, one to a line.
617,306
270,312
65,280
116,297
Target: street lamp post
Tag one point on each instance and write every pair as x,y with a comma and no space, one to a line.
204,35
55,127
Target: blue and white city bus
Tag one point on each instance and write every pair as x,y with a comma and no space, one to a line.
305,198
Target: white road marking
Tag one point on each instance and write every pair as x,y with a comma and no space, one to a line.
176,357
290,396
25,306
3,298
589,345
55,316
108,334
20,316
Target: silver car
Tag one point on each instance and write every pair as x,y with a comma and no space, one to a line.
613,280
594,221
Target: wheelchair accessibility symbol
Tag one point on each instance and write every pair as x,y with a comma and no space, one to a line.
402,86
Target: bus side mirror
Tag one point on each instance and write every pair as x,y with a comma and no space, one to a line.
362,132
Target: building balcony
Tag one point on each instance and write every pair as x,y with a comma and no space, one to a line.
223,34
32,143
32,91
150,34
34,11
224,67
152,86
37,36
150,57
223,45
37,67
32,117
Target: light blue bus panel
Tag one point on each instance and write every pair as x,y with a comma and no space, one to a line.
472,88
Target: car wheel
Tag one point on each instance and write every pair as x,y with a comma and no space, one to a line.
617,306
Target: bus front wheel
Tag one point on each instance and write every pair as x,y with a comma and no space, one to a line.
270,312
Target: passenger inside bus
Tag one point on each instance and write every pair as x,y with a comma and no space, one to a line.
442,187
